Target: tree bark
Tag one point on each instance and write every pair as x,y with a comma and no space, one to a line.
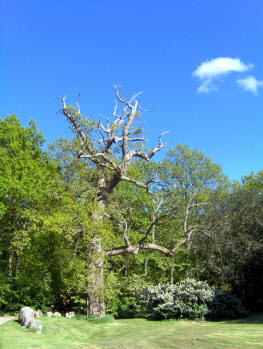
10,264
95,305
95,280
146,267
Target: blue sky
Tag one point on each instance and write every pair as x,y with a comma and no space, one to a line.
199,63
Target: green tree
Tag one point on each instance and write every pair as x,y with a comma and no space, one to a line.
26,171
192,183
23,166
233,257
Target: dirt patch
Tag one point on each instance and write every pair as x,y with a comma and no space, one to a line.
4,319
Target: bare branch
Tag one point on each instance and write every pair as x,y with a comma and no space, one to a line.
117,131
153,246
72,119
187,212
124,226
138,139
136,249
147,157
112,218
122,99
135,96
115,109
125,231
134,181
159,147
178,245
63,100
151,227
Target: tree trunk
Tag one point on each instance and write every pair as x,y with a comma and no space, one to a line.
188,251
95,280
10,264
146,267
172,275
95,261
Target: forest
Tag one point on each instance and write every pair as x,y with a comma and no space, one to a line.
99,224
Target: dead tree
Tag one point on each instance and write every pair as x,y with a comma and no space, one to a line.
111,147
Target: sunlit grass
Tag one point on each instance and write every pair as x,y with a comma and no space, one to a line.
135,333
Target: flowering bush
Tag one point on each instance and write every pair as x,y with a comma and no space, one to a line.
189,299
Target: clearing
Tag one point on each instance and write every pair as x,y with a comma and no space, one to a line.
135,334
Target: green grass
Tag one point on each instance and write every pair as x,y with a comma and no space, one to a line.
61,333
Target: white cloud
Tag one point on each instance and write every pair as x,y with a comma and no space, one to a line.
207,86
208,71
220,66
250,83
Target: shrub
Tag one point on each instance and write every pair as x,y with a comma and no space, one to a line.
190,299
225,306
121,296
185,300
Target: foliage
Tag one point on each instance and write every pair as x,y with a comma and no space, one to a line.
190,299
27,170
185,300
233,254
7,295
42,229
121,295
51,215
223,305
3,196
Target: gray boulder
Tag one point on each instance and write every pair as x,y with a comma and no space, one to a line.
37,325
70,315
26,315
56,314
38,314
49,314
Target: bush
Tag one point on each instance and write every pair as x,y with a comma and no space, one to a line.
225,306
190,299
121,295
186,300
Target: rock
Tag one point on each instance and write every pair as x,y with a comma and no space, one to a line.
49,314
70,315
37,325
26,315
38,314
56,314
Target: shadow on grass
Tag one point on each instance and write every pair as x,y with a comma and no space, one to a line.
252,318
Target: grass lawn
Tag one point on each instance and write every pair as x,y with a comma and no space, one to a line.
61,333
